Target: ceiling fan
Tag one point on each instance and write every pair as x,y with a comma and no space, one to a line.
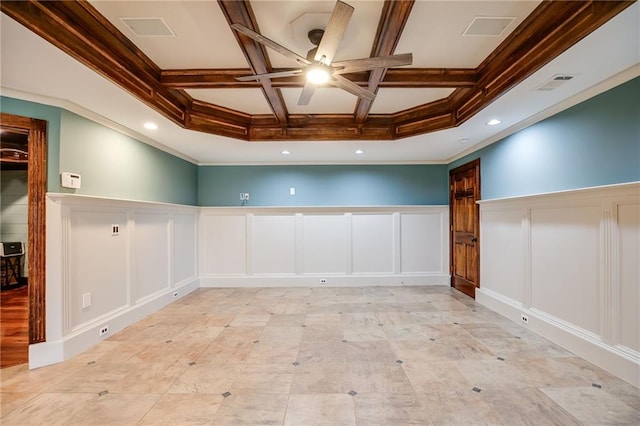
318,66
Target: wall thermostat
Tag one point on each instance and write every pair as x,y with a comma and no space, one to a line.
70,180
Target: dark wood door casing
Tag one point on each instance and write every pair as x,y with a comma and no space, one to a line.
36,217
464,191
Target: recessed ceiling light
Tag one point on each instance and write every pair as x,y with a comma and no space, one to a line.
151,126
464,140
359,151
493,122
285,152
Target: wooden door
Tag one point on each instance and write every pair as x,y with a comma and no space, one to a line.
464,187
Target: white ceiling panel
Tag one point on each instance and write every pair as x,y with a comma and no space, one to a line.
389,100
325,100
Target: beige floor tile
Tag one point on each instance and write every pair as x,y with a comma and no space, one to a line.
225,352
211,378
322,351
10,401
286,320
250,320
377,377
183,410
111,409
529,406
282,334
372,351
593,406
322,377
149,378
251,409
282,352
49,409
320,409
428,377
459,408
389,409
364,334
263,379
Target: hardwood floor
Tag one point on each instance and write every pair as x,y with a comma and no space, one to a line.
14,326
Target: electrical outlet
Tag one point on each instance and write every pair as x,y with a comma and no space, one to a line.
175,294
104,330
115,230
323,281
524,318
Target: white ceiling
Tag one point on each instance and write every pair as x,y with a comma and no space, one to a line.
35,70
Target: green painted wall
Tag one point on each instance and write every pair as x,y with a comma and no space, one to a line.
336,185
115,165
594,143
111,164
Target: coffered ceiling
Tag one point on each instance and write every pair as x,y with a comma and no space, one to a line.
176,63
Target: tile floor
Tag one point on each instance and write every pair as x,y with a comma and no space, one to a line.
320,356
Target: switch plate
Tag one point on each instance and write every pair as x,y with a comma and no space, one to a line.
86,300
292,191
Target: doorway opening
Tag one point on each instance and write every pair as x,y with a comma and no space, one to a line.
30,303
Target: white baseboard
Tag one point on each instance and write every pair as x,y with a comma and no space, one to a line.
47,353
331,280
621,362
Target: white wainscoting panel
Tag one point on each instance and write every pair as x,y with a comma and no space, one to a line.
629,275
325,244
372,244
421,242
502,236
97,265
565,264
569,261
185,259
224,244
273,244
151,255
334,246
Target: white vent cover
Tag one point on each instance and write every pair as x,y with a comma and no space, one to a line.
488,26
148,27
554,82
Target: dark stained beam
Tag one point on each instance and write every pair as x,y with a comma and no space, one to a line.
394,77
395,14
240,12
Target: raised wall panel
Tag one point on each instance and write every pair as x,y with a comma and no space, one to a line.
629,275
151,255
97,264
503,251
274,244
421,242
565,264
184,247
372,243
224,242
325,244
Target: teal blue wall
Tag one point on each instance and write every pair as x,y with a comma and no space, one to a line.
110,163
52,116
596,142
115,165
359,185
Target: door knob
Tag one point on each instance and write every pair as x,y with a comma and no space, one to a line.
474,239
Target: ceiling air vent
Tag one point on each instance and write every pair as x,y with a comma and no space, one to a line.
487,26
148,27
554,82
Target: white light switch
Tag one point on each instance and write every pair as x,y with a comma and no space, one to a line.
292,191
71,180
86,300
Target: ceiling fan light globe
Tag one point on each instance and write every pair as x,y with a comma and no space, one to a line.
317,75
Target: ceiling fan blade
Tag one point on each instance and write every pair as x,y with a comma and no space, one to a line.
364,64
269,43
307,92
270,75
333,33
344,84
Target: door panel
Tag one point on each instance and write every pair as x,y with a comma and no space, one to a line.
464,184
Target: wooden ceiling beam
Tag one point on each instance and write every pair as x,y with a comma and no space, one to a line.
240,12
393,18
394,77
